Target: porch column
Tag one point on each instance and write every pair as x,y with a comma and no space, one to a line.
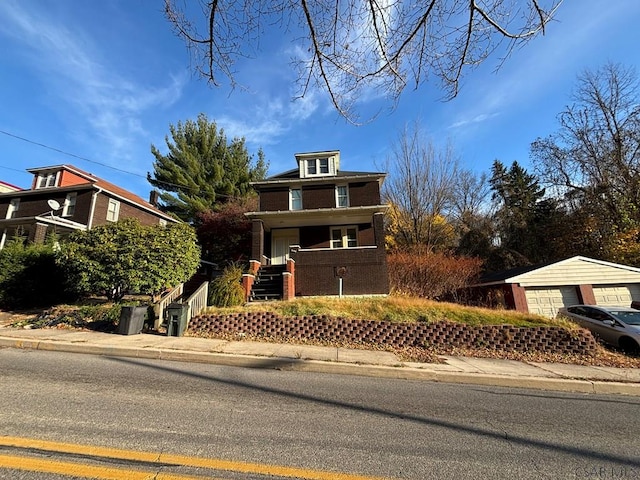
289,281
257,240
38,233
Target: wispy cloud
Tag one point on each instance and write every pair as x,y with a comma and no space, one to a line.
108,104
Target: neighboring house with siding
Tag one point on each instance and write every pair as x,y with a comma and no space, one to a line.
544,289
7,187
319,230
63,198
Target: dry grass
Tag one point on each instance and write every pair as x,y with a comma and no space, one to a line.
398,309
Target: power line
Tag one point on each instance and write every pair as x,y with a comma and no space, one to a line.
70,154
80,157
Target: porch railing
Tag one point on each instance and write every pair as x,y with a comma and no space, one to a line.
168,298
198,300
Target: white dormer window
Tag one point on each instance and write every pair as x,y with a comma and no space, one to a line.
317,166
48,180
320,164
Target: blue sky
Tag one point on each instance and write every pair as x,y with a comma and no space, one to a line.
104,80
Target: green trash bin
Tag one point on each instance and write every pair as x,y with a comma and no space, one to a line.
176,316
131,320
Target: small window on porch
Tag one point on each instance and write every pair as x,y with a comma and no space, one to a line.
344,237
296,199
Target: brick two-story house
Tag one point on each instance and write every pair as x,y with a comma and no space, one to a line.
319,231
63,198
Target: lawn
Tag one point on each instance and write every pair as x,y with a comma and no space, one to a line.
397,309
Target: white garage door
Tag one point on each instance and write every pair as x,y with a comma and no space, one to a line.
616,295
547,301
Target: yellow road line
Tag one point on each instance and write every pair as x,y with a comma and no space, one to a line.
86,471
180,460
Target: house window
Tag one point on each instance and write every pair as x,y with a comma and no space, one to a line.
317,166
113,210
69,205
344,237
48,180
312,168
12,210
342,196
296,199
324,165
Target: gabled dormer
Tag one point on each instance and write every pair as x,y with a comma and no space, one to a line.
318,164
58,176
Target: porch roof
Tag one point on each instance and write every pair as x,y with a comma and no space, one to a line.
316,217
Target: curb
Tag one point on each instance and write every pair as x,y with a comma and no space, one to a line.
317,366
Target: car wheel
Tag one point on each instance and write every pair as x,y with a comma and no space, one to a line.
629,345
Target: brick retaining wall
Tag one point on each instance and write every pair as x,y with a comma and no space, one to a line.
324,328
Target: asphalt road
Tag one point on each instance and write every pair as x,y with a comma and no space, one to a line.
226,422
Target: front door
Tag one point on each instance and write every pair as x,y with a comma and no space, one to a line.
281,240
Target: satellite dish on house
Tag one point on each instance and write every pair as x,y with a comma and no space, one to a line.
53,204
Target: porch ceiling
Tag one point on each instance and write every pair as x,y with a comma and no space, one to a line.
321,216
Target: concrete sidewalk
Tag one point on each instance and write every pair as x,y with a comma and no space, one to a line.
309,358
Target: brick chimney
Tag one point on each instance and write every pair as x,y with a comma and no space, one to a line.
153,198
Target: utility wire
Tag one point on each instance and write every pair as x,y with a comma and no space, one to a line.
168,184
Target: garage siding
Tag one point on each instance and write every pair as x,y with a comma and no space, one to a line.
616,295
547,301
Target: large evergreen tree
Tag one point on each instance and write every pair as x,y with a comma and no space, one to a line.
202,169
525,219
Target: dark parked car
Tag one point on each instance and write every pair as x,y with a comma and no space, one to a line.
617,326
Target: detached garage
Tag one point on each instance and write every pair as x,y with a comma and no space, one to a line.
544,289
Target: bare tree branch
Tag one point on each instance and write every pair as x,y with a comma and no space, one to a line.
357,46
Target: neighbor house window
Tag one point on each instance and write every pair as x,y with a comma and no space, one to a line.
344,237
342,196
296,199
113,210
48,180
12,210
69,205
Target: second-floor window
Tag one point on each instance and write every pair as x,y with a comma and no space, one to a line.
344,237
69,205
342,196
12,211
295,199
113,210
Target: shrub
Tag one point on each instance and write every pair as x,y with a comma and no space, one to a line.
430,275
226,290
29,276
